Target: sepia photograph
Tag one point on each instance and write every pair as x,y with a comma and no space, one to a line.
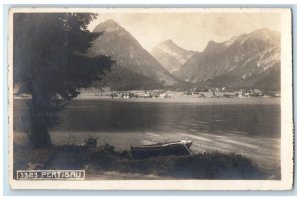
150,99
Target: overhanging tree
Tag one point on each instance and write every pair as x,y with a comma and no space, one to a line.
49,63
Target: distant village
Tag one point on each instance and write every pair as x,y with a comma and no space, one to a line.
173,93
194,92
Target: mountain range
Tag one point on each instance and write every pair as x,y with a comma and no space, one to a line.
129,56
248,60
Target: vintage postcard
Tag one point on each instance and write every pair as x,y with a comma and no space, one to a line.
150,99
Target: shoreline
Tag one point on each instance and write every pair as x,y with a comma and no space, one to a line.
120,164
183,99
268,157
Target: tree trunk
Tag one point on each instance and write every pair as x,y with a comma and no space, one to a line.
39,111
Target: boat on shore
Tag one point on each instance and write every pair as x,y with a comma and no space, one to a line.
179,148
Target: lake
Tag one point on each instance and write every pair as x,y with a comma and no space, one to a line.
247,127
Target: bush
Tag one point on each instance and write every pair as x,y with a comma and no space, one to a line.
91,143
107,148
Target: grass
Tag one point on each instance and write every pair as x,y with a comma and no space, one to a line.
205,165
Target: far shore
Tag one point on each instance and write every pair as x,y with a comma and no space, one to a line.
188,99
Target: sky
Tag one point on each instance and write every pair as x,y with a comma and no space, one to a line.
191,31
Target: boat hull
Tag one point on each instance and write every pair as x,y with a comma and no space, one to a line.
163,149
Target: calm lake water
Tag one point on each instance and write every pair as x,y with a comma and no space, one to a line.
250,129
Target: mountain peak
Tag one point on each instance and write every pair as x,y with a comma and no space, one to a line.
265,33
167,42
110,22
170,55
211,43
262,30
108,26
213,46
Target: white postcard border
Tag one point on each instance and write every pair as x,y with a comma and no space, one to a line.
286,119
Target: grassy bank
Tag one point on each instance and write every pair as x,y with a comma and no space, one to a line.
206,165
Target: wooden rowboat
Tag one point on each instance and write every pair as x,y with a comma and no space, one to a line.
179,148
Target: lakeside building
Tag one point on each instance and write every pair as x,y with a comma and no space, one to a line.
221,92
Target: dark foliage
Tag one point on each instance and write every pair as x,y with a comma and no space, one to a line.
49,64
91,143
120,78
205,165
